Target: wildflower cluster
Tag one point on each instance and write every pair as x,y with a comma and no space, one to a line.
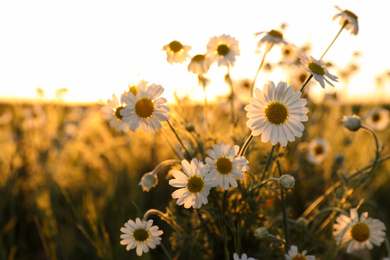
225,188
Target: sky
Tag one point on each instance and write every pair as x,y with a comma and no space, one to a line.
97,48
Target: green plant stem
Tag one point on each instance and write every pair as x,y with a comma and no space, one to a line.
228,80
306,82
377,153
258,70
284,210
163,216
201,81
180,141
268,162
165,251
245,146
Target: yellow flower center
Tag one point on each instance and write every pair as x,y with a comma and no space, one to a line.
318,149
376,117
141,235
223,49
224,165
360,232
199,58
133,89
117,112
276,113
299,257
316,68
175,46
195,184
349,13
276,34
144,107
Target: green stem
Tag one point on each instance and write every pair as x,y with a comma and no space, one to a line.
228,80
258,70
180,141
284,210
245,146
201,81
306,82
377,148
268,162
166,251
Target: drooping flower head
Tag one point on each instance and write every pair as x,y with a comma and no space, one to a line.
358,233
146,108
270,39
223,49
176,52
199,64
350,18
318,148
377,119
194,184
225,165
293,254
317,69
141,235
276,113
112,113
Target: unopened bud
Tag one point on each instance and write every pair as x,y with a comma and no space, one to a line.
261,233
286,181
352,123
148,181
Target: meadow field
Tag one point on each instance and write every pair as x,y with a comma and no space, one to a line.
294,169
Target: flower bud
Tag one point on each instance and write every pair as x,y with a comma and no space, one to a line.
352,123
261,233
286,181
148,181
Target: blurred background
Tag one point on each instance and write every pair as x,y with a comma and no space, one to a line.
68,181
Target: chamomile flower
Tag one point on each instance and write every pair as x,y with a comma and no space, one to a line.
358,233
199,64
378,119
146,108
223,49
293,254
276,113
350,18
176,52
289,53
225,166
318,148
194,183
243,257
112,113
270,39
141,235
317,69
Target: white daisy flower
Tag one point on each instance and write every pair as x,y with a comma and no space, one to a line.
225,166
243,257
378,119
351,18
223,49
271,38
112,113
140,235
276,113
199,64
294,254
146,108
176,52
317,69
195,184
318,148
289,53
359,233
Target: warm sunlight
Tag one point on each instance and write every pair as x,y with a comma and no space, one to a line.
95,48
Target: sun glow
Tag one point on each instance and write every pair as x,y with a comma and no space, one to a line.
93,49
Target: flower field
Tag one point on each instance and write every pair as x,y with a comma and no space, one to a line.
265,172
